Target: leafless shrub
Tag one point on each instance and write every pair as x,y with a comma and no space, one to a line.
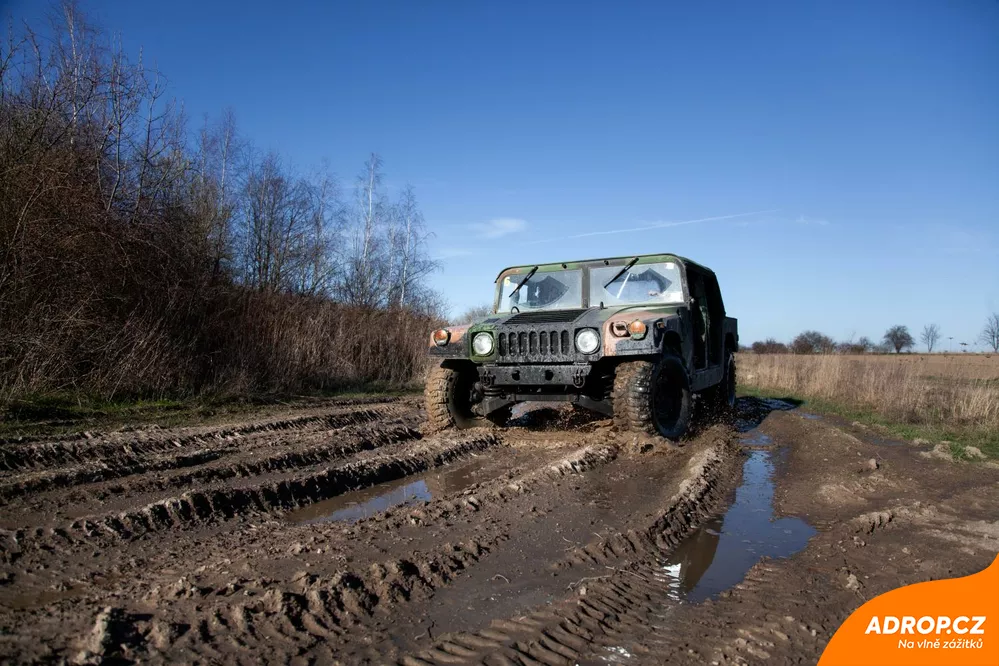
133,261
813,342
769,346
898,338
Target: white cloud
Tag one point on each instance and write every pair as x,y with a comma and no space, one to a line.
812,221
452,252
656,225
499,227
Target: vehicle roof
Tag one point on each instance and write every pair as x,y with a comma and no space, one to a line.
684,260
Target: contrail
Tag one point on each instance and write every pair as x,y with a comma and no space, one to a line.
658,225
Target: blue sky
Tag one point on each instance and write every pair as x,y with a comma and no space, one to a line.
867,131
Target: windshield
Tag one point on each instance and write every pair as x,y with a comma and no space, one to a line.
644,283
555,290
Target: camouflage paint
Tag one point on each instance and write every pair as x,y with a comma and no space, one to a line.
456,346
664,322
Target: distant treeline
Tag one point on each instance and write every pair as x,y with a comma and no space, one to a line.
140,255
896,339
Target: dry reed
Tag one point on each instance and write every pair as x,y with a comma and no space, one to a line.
898,388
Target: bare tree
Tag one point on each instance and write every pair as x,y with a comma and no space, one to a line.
365,276
899,338
283,228
317,271
408,242
219,162
473,313
930,336
990,334
372,204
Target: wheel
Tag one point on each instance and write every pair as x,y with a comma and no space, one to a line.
653,397
451,394
721,396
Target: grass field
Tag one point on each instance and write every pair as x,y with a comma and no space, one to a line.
939,397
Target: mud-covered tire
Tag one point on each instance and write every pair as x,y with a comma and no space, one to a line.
446,404
720,398
637,386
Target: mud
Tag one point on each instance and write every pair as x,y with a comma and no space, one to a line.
338,533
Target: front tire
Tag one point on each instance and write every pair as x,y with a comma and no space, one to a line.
653,397
449,399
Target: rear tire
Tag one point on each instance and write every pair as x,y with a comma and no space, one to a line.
653,397
448,398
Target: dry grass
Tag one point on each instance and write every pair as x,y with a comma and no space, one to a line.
957,392
950,367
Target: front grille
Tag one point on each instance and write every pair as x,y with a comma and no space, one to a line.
545,317
535,344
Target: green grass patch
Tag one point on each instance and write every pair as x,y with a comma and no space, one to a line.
960,436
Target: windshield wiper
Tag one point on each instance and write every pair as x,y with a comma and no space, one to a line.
530,274
621,272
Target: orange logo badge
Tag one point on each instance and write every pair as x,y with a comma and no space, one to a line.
953,621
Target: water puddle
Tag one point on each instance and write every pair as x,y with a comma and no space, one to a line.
617,655
810,416
752,411
720,553
756,439
880,441
359,504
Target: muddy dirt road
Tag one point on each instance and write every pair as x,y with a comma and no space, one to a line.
338,533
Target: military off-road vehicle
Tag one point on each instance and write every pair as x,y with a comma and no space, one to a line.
630,337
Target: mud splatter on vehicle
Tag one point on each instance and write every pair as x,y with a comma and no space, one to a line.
633,337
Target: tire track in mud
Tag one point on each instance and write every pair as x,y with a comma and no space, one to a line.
320,614
311,611
319,405
358,438
213,505
345,606
630,601
114,446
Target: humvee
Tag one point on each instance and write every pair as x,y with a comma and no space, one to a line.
635,338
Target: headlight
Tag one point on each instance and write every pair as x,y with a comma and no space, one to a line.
482,344
441,337
587,341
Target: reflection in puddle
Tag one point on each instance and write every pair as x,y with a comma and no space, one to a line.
752,411
617,655
810,416
359,504
718,555
757,438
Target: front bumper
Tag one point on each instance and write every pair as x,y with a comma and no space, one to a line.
535,375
